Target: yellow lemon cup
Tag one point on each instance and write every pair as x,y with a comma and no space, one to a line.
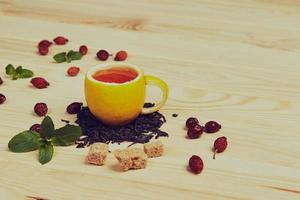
120,103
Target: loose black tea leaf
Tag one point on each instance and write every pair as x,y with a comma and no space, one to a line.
141,130
36,198
149,105
66,121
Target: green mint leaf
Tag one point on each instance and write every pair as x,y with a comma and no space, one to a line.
60,57
70,53
19,69
26,73
10,70
45,153
74,55
15,76
66,135
68,59
47,128
24,142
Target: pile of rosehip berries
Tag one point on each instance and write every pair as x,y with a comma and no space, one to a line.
195,130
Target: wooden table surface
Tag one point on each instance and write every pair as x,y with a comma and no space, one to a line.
234,61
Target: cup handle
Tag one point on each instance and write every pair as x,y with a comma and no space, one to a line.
152,80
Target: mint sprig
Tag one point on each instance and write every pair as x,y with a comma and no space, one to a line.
67,56
18,72
49,137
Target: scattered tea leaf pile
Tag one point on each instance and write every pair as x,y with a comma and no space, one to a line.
141,130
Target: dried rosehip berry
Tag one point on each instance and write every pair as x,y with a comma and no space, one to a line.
220,145
212,127
195,131
83,49
1,81
41,109
60,40
74,108
39,82
36,128
2,98
121,55
102,55
73,71
196,164
45,43
191,122
43,50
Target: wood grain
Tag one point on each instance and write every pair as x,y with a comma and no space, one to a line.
235,61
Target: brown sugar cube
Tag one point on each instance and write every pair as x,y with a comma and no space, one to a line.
97,154
138,157
131,158
154,149
124,159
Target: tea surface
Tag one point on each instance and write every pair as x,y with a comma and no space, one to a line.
115,75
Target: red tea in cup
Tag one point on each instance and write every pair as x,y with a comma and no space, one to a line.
115,75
